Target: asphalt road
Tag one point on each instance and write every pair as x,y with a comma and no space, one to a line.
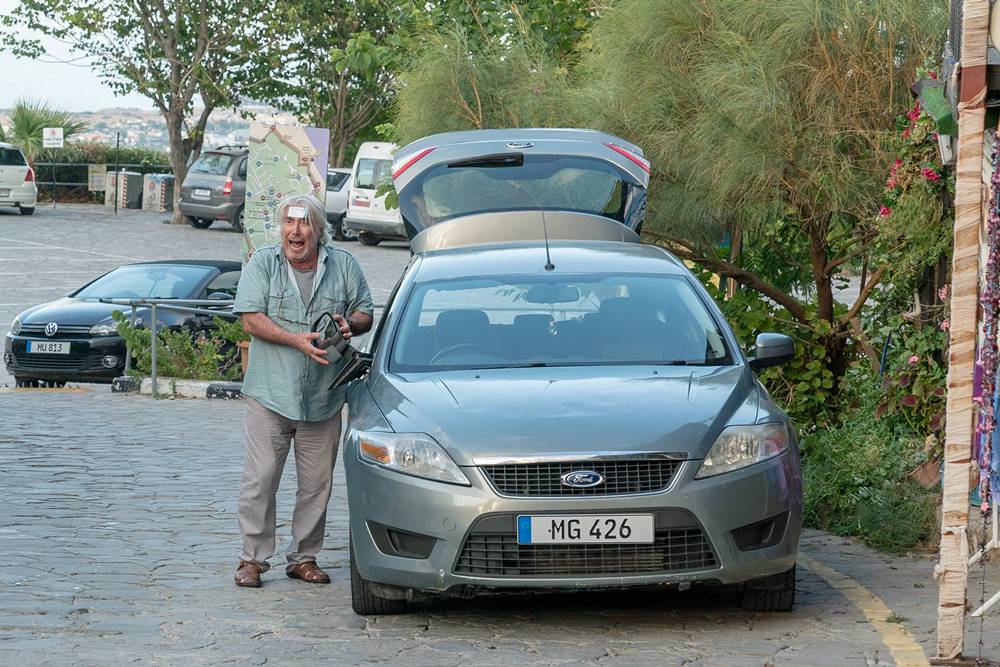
118,533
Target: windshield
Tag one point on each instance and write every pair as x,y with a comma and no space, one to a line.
568,320
216,164
147,281
373,174
516,182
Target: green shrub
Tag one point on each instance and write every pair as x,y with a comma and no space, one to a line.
856,474
180,353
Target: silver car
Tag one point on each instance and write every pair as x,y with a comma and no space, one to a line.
338,186
17,180
550,404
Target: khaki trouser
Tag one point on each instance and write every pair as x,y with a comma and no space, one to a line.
268,439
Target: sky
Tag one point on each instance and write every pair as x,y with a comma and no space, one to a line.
64,86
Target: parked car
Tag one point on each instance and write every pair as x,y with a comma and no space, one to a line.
564,414
75,339
338,187
215,186
367,215
17,180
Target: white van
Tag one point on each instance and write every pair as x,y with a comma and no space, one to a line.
366,213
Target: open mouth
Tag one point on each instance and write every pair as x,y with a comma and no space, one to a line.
296,244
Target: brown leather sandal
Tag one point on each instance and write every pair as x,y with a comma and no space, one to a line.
310,572
248,574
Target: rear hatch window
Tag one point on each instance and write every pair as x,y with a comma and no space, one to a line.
11,157
216,164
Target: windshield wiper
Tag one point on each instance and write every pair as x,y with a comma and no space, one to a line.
495,160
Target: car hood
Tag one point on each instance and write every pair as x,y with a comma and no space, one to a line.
573,410
70,311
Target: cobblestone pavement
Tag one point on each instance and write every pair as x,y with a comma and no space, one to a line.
119,538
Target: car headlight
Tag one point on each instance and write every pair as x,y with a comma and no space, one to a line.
104,329
741,446
15,326
411,453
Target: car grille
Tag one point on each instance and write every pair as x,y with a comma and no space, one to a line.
65,331
62,362
543,479
496,553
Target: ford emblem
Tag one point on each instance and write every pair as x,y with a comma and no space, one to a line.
582,479
51,328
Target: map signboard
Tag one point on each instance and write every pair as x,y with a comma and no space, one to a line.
284,160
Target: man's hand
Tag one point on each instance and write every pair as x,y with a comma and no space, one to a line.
304,344
344,326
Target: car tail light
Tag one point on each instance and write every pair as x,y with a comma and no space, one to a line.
399,166
29,177
634,157
227,189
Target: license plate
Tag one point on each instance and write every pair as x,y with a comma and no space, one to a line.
48,347
585,529
201,194
4,193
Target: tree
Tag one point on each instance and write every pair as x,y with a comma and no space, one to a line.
171,51
27,120
338,70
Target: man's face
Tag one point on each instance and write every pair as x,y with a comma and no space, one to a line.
298,239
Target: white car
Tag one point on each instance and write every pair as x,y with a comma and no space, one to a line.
367,214
338,186
17,180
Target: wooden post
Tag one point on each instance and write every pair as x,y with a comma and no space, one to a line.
953,569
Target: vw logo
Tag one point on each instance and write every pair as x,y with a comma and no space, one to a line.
518,145
51,328
582,479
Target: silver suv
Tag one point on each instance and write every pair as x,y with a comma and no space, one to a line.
17,180
215,186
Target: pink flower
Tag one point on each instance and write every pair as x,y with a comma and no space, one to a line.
934,136
891,183
945,325
913,359
930,174
914,114
906,133
884,211
943,293
932,75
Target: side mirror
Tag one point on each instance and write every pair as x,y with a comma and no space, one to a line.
772,349
357,367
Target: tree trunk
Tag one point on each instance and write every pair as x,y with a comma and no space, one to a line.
178,159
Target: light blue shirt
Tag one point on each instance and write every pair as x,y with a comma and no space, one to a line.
281,378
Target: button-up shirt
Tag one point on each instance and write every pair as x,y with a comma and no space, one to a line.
281,378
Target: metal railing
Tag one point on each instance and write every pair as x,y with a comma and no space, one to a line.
168,304
189,306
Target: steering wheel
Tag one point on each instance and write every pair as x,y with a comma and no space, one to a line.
444,352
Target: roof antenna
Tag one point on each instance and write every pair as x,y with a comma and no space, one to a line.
549,266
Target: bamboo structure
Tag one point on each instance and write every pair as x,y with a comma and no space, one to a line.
952,570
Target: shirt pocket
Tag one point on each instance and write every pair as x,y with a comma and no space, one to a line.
283,306
326,304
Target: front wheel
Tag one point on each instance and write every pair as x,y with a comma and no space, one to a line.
198,223
340,231
367,238
363,598
774,593
26,210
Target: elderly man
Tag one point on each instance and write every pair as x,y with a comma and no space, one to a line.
283,290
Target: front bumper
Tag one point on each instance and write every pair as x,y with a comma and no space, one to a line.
25,196
451,514
84,363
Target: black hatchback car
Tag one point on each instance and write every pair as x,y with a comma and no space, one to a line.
74,339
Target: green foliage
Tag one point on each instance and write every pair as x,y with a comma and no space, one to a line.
27,120
229,330
856,475
179,353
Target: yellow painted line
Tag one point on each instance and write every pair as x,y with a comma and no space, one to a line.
904,648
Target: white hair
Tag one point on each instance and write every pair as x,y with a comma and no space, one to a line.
315,213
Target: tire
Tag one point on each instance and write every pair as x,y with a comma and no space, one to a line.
367,238
340,232
26,210
363,599
774,593
237,221
25,382
198,223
